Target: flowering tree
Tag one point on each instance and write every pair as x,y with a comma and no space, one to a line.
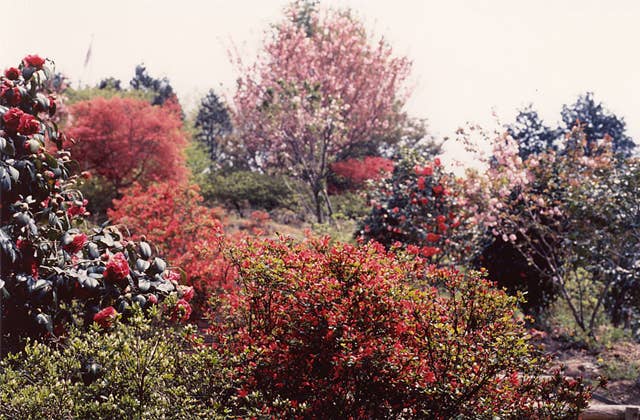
127,140
338,331
319,91
189,234
51,272
548,207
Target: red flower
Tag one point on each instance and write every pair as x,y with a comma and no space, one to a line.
187,292
10,93
105,317
11,119
52,105
182,311
421,183
78,242
12,73
33,60
437,162
438,189
426,171
76,210
117,268
28,125
433,237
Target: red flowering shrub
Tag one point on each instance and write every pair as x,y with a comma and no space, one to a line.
352,174
51,273
339,332
418,207
189,234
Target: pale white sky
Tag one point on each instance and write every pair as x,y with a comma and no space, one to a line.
470,57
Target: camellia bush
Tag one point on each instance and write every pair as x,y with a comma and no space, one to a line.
418,207
54,271
341,331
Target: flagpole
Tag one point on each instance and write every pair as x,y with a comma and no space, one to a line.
87,58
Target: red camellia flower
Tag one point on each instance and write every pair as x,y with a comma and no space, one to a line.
105,317
28,125
438,189
78,242
421,183
12,73
33,60
10,93
182,311
11,119
117,268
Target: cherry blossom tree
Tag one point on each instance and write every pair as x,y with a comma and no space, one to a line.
316,93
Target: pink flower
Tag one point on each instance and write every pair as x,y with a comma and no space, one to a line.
187,292
182,311
105,317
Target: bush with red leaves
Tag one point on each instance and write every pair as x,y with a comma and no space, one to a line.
187,233
352,174
339,331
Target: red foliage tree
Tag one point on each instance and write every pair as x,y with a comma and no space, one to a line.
127,140
189,234
352,174
319,92
338,331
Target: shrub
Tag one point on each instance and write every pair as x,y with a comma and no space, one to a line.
352,174
51,272
418,206
338,331
243,190
189,234
142,369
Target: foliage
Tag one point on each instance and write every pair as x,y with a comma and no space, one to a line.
597,123
213,122
52,273
418,206
352,174
189,234
551,209
161,89
125,141
141,369
337,331
532,135
315,95
244,190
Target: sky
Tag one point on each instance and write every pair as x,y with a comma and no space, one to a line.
471,59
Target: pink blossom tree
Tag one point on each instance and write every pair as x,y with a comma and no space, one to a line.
318,92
